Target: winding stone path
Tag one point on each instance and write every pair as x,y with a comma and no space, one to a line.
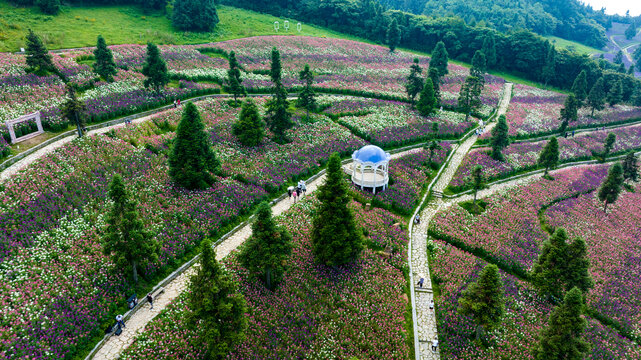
426,317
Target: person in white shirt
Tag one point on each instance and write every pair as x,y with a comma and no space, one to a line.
434,344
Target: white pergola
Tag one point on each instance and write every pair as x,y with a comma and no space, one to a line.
370,167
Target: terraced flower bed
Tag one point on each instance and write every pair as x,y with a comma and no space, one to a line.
316,313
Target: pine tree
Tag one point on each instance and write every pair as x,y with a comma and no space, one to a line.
596,97
104,65
433,75
276,68
393,35
74,110
278,115
570,109
563,337
427,99
440,59
195,15
549,69
578,264
335,237
126,240
155,69
38,59
267,250
612,185
234,81
580,87
618,58
478,181
550,268
500,138
192,160
489,49
49,7
249,127
631,31
630,167
549,156
608,145
479,64
307,96
615,94
216,306
414,83
483,300
432,147
470,95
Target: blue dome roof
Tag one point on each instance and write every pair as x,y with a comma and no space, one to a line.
370,153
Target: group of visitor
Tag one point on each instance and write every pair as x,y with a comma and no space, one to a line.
297,191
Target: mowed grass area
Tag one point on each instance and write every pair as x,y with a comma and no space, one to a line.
79,27
573,45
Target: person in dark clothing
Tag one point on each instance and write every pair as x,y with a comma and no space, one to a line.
150,299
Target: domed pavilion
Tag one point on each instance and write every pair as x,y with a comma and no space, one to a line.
370,168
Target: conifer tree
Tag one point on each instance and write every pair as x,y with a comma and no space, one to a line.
608,145
612,185
432,147
250,127
483,300
618,58
267,250
580,87
563,337
38,59
49,7
500,138
470,95
278,115
427,99
549,156
439,59
155,69
104,65
596,97
335,237
489,49
307,96
126,240
570,109
194,15
192,161
631,30
234,80
549,69
393,35
276,68
549,269
615,94
577,274
217,308
478,181
74,110
433,75
414,83
479,64
630,167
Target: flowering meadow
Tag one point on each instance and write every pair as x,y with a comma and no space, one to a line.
391,123
316,312
523,156
409,175
510,233
525,315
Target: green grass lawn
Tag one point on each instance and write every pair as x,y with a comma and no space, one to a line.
79,26
572,45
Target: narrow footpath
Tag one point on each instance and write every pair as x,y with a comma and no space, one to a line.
426,317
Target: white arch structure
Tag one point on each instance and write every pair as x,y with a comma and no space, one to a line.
370,168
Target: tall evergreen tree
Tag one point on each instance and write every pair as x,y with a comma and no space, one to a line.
335,237
38,59
630,167
470,95
549,69
440,59
578,264
249,129
608,145
427,99
631,30
414,83
500,138
234,81
549,269
49,7
433,74
307,96
570,109
155,69
615,95
612,185
479,64
267,250
489,49
580,87
478,180
195,15
126,240
74,110
596,97
618,58
192,161
483,300
276,68
278,115
393,35
432,147
549,156
563,337
216,306
104,65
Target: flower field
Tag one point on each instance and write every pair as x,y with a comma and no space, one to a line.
525,315
316,313
523,156
509,231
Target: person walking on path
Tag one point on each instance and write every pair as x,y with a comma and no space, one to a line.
150,299
431,304
178,102
295,195
298,191
434,344
120,321
289,192
175,104
420,282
